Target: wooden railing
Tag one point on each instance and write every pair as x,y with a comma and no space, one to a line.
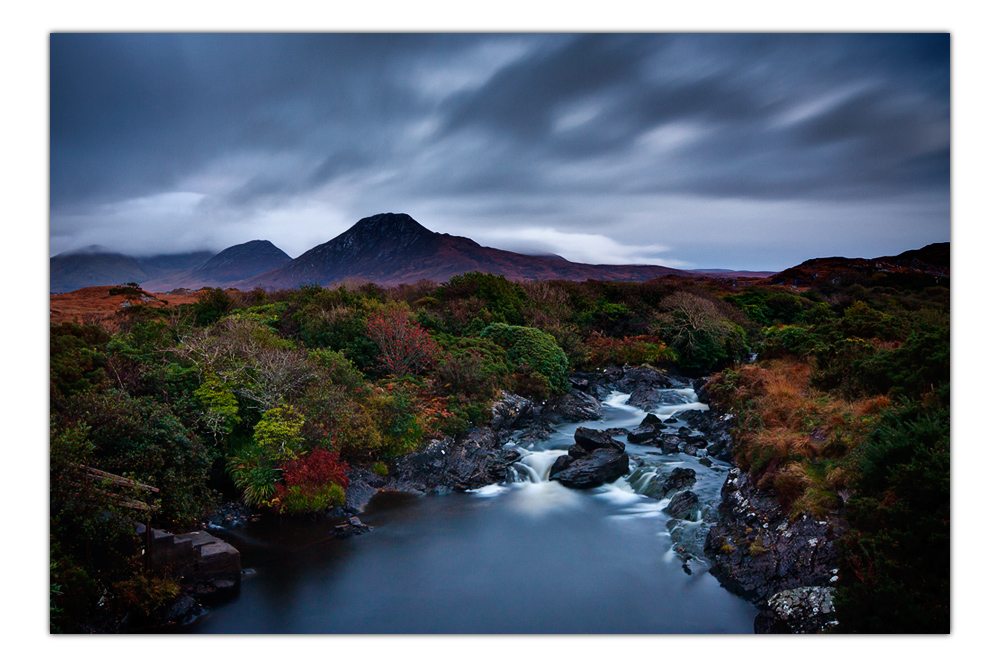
147,505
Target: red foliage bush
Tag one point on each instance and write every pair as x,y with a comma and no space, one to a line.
316,469
404,347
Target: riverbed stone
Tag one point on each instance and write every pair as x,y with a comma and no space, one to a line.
642,434
599,467
645,398
684,506
591,439
650,419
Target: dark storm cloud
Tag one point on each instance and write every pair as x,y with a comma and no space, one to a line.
560,134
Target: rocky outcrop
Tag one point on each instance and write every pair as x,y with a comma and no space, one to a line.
805,610
757,551
573,406
362,485
598,467
473,460
509,411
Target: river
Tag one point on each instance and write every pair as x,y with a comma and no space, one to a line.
525,556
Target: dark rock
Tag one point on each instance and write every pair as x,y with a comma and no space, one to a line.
579,382
684,506
804,610
636,377
617,431
691,446
684,432
650,419
591,439
679,478
643,434
705,461
599,467
645,397
352,526
716,449
560,464
509,411
475,460
576,451
670,444
757,551
183,611
662,485
574,406
362,484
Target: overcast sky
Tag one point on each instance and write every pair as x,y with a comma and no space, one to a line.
691,150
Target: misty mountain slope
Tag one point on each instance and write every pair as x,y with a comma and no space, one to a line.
92,265
225,268
393,248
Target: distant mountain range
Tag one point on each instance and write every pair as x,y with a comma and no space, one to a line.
95,265
386,249
393,248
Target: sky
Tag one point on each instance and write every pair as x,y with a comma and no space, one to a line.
739,151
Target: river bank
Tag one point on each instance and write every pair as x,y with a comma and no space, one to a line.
678,477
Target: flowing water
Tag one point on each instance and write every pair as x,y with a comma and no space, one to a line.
524,556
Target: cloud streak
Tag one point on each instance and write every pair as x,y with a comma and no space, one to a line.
581,145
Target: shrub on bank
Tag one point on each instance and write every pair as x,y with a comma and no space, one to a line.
535,350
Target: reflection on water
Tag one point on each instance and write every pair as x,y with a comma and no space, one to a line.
527,556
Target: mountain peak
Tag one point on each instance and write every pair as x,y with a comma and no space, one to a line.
394,224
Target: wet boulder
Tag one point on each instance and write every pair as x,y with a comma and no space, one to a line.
573,406
576,451
645,397
669,444
664,484
642,434
599,467
591,439
561,464
684,506
679,478
650,419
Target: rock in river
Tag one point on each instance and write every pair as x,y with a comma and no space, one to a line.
599,467
591,439
684,506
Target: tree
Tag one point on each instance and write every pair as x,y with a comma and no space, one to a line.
405,348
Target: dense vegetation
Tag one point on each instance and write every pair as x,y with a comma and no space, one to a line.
847,412
272,397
